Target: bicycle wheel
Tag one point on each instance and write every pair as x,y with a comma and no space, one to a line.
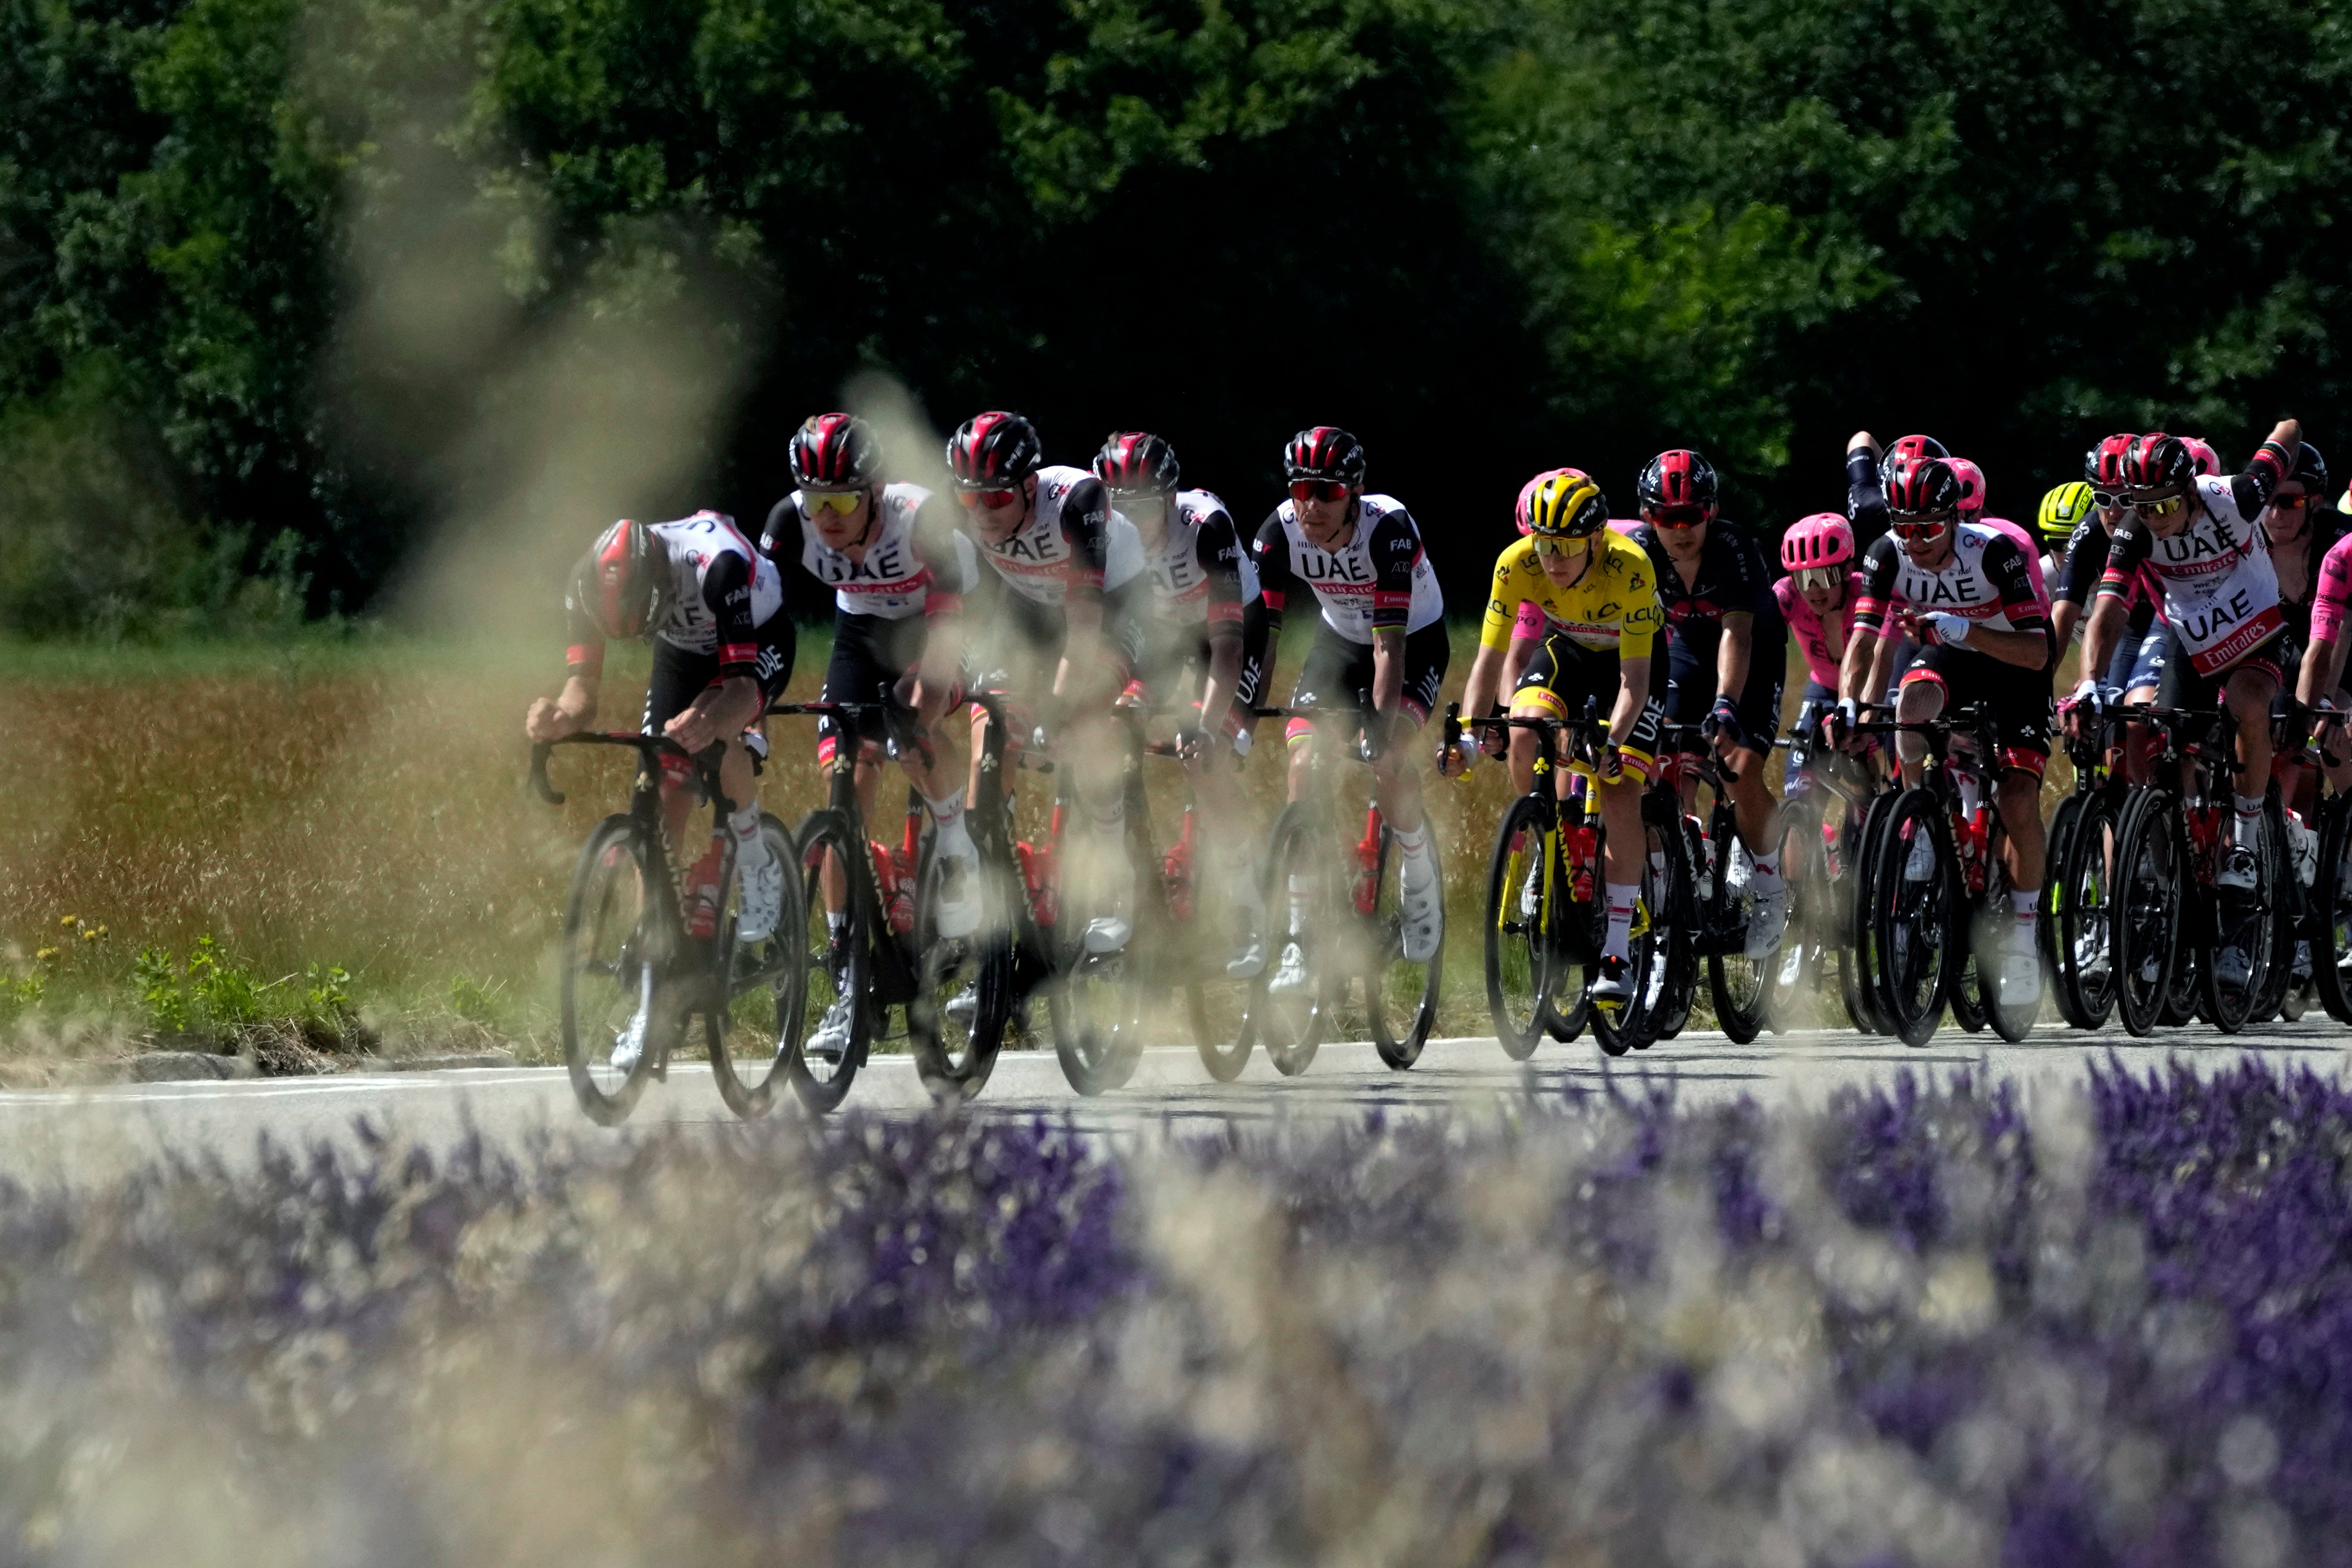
1803,870
1916,920
1858,976
1966,998
2331,924
1400,996
2143,907
838,1019
1224,1026
1520,962
2278,992
1991,923
765,986
1300,907
963,985
1741,987
1096,1000
2077,930
609,969
2243,926
1651,949
1682,915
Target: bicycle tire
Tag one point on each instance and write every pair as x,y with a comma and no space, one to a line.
2286,920
1801,869
1857,956
954,1059
2247,924
781,968
1988,927
1740,987
2083,967
1297,857
2058,838
1677,992
1916,925
1096,1002
1217,1005
1389,978
2144,914
839,973
2331,924
601,906
1521,958
1649,949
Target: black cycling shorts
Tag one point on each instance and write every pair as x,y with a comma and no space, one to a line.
679,677
870,654
2184,687
1690,687
2018,698
1020,641
1562,675
1339,674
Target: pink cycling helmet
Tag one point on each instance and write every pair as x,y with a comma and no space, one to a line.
2209,461
1821,540
1527,491
1972,485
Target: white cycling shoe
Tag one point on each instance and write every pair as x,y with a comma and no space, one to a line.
1109,931
2021,967
1290,976
1249,948
1767,918
831,1040
764,899
1421,916
2237,870
1921,864
2230,968
629,1044
955,907
963,1007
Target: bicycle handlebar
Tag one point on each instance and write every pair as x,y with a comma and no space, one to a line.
648,747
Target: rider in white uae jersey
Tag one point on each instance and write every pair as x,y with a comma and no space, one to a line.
1071,536
1380,565
2219,592
896,568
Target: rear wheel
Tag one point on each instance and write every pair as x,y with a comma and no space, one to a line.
838,1019
963,985
2331,924
1097,998
2077,927
1802,869
1858,974
1399,995
1290,1002
765,987
1741,985
1915,919
2239,961
2143,894
1522,965
1225,1029
609,969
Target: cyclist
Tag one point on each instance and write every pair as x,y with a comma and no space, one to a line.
1727,658
898,571
1064,565
2064,508
2319,686
1598,594
1967,589
1200,578
1380,650
1817,600
2197,538
713,608
1866,471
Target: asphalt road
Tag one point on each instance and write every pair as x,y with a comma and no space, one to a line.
89,1134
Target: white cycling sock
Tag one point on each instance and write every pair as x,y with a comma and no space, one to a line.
951,837
1623,897
1417,868
1767,867
751,848
835,921
2023,900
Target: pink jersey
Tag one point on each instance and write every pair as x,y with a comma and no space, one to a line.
2327,604
1810,635
2032,551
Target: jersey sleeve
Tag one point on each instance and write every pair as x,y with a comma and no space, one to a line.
1645,614
1218,552
783,531
1086,528
2087,556
727,594
947,556
1879,564
1275,578
1503,602
2012,572
2252,489
1865,499
1395,549
2333,593
2126,551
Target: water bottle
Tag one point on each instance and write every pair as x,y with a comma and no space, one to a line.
702,889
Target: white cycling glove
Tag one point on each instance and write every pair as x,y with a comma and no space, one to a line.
1952,631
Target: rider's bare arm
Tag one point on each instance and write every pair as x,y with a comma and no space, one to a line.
2027,650
571,711
1388,670
2100,629
1732,652
1633,693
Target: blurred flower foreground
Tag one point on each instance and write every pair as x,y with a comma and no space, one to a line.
1917,1327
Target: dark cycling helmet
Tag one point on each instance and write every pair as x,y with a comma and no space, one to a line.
1924,488
2311,469
1326,452
1908,449
993,451
1678,479
1136,460
835,452
2159,465
619,584
2103,465
1566,505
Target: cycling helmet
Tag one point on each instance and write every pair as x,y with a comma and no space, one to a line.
1326,452
1566,505
1136,460
993,451
835,452
1821,540
1677,478
2159,465
2062,507
2311,469
2209,461
1924,488
1909,448
2103,465
1528,491
1972,486
618,583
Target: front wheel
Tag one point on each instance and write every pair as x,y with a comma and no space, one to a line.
765,987
2144,907
1915,916
1096,1000
2331,926
1401,992
1522,960
1741,987
611,966
2077,924
837,1018
1290,1000
964,985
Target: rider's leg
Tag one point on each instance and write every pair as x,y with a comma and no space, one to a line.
1921,699
1622,855
2248,694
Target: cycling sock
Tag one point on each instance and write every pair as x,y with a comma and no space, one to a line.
1767,868
2023,901
1417,869
836,922
750,848
1971,793
1623,897
1297,905
948,808
949,835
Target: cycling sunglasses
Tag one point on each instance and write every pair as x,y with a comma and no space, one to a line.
1569,544
842,501
1684,516
1907,525
2291,503
2110,500
993,500
1819,577
2162,506
1305,490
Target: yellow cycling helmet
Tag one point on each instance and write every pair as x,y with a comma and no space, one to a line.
2062,508
1566,505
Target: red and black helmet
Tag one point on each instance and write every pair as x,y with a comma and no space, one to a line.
835,452
1137,460
618,583
2103,465
1326,452
2159,465
1910,448
1924,486
993,451
1678,479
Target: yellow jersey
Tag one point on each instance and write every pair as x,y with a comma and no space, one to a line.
1612,608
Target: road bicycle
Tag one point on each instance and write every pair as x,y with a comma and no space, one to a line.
889,952
1823,814
1709,912
1547,910
1339,903
648,948
2076,913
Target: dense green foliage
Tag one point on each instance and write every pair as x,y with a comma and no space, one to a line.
268,266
